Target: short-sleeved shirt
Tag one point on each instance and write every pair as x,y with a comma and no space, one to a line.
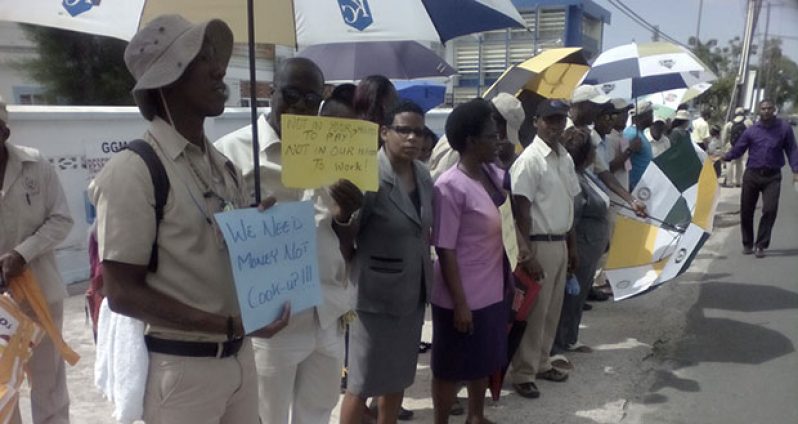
549,181
639,159
600,164
700,130
613,146
193,263
468,221
658,147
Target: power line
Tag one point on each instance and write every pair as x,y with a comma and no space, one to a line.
631,14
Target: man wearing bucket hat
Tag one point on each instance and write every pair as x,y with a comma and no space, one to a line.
35,218
201,365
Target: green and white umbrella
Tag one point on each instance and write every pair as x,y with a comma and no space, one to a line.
636,70
680,190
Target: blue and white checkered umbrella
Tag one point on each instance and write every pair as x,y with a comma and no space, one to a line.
636,70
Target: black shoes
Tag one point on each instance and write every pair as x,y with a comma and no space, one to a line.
759,252
527,390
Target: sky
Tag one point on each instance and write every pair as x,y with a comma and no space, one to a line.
721,20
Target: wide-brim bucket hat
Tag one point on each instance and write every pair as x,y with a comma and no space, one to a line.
160,52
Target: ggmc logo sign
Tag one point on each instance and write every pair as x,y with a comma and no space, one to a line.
76,7
356,13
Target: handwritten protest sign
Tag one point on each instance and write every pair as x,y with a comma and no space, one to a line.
508,233
317,151
273,256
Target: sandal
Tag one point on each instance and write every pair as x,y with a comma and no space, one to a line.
553,374
580,348
561,362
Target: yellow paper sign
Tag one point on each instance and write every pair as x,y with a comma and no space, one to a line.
318,151
508,233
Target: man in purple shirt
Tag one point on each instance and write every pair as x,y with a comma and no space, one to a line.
766,141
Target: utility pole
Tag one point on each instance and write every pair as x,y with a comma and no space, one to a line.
761,76
698,25
765,74
750,23
655,36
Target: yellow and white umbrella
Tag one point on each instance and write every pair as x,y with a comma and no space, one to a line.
552,74
680,190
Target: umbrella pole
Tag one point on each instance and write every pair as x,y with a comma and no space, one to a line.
253,93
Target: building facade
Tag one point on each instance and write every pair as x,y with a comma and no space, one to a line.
481,58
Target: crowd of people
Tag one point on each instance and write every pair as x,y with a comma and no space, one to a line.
432,234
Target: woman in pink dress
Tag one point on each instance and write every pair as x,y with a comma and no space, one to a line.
469,315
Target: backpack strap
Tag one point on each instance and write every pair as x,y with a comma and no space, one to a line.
160,184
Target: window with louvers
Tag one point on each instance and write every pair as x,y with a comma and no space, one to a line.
501,49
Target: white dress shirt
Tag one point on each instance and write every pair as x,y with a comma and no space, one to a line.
549,181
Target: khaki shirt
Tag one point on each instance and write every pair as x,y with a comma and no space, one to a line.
237,146
34,215
550,183
193,262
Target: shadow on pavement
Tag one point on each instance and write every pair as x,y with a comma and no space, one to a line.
700,276
727,340
666,378
782,252
746,297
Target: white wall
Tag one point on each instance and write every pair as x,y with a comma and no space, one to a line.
65,135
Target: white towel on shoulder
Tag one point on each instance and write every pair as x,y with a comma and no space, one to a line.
121,363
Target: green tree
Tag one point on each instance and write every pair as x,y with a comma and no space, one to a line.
77,68
724,62
779,76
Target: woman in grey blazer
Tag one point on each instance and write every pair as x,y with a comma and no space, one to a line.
392,269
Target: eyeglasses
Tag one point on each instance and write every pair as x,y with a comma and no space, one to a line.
406,131
292,96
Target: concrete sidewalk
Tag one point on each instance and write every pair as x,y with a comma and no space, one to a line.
624,335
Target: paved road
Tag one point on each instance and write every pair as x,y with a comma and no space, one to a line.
715,346
735,361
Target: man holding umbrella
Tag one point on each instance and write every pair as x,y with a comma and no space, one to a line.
171,270
299,370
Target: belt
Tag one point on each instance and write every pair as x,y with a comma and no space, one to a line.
766,172
193,349
547,237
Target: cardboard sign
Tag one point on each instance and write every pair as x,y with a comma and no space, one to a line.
318,151
274,260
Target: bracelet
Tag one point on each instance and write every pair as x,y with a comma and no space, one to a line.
349,222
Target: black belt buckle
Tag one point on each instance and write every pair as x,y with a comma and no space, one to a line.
230,348
547,237
193,349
